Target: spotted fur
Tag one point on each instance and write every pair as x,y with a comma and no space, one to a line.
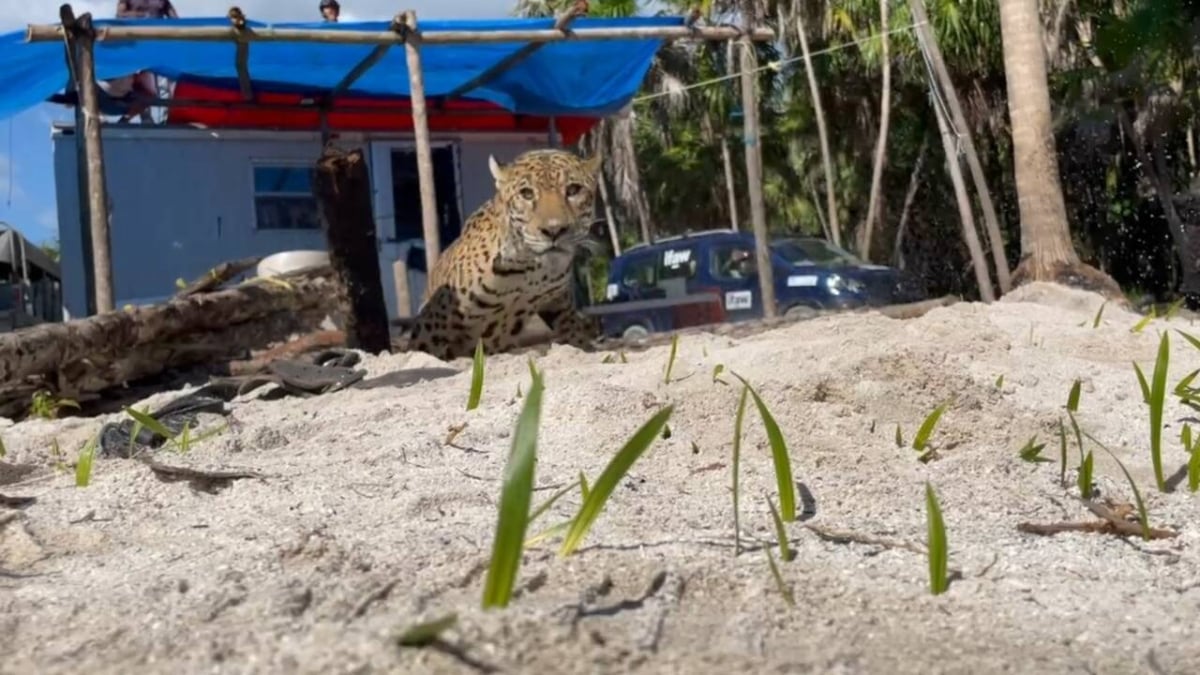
513,260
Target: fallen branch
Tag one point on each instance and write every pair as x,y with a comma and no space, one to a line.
218,276
1114,521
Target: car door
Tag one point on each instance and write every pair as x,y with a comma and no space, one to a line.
732,270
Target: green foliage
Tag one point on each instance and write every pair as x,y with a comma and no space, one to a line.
427,633
939,578
477,364
1158,392
83,466
779,454
739,417
47,406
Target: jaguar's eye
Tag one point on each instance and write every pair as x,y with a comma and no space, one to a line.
574,189
527,194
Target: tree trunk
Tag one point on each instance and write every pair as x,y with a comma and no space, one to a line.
730,187
970,234
46,348
826,157
885,111
342,188
991,222
914,182
609,221
1047,253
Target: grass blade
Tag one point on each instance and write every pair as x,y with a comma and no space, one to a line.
737,455
1193,470
612,475
545,506
1000,381
515,496
1032,451
926,428
1062,446
3,450
939,579
148,422
1099,313
1073,397
671,359
476,377
716,374
1143,514
785,551
779,454
1085,476
786,592
1140,325
1158,392
83,467
425,634
1142,383
1190,338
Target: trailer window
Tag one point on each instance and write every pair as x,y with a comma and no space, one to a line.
283,198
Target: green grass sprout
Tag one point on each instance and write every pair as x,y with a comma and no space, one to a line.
1140,325
1000,381
716,375
3,450
476,377
515,496
921,440
1099,314
785,551
1085,476
1062,447
603,488
1143,384
1195,342
737,455
1073,397
899,437
83,466
1158,392
939,579
426,633
1032,451
1173,309
1193,470
779,454
671,359
786,592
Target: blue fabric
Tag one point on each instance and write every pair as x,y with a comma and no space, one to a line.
590,78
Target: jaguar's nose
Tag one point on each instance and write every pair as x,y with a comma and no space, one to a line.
554,230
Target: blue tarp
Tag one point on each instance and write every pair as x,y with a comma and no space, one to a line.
589,78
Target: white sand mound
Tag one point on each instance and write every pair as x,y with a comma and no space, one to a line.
367,522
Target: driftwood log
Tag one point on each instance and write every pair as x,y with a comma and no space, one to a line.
80,358
342,188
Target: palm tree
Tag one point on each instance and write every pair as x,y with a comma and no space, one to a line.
1047,253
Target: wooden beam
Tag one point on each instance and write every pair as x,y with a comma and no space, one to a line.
416,81
561,24
81,34
368,61
750,131
53,33
242,56
71,54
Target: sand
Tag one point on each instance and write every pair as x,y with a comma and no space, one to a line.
365,521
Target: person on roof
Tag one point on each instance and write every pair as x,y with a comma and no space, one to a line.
146,9
146,83
330,10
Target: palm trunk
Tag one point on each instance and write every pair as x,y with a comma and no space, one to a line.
970,234
819,112
885,109
1045,235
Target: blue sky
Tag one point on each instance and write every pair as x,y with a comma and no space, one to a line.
27,199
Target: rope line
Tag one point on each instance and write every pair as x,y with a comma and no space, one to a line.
778,65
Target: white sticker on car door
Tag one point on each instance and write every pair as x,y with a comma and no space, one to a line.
802,280
739,299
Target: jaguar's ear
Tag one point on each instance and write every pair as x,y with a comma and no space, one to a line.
496,168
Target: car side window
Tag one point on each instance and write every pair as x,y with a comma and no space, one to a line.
732,261
640,273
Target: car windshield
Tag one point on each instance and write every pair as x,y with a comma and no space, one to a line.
813,252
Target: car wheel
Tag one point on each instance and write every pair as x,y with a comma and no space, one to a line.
800,312
635,332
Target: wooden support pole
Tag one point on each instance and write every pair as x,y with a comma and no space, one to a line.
81,175
53,33
342,187
750,132
416,80
82,34
242,56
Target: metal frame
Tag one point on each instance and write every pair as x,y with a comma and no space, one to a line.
79,35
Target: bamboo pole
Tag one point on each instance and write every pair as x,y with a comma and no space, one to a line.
416,79
750,131
991,222
81,33
53,33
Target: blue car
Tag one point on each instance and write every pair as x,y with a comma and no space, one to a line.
711,277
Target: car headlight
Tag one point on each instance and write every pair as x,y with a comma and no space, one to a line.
837,284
